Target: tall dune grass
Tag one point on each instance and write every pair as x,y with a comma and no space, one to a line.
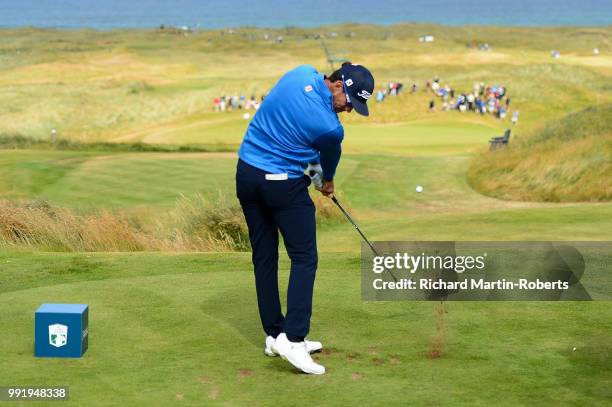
202,223
39,225
326,209
194,224
568,160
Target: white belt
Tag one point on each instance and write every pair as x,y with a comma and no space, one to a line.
277,177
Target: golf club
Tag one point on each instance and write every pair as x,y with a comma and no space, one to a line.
359,231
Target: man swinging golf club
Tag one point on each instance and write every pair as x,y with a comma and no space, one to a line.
295,129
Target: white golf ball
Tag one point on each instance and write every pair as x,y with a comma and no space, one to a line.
574,349
419,188
246,116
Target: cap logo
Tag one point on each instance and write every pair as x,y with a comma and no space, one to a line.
308,88
364,94
348,82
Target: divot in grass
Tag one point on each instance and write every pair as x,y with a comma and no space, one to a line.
245,373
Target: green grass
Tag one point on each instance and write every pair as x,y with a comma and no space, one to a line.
141,180
26,174
379,188
155,86
116,180
167,326
568,160
22,142
428,137
123,180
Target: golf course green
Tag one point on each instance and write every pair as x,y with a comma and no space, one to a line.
173,313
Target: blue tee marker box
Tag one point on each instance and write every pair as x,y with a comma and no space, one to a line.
61,330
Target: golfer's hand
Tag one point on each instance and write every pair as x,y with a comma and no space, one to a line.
327,189
315,172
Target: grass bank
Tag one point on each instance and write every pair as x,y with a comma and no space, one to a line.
568,160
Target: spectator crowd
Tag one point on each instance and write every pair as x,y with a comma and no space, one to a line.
483,99
226,103
392,89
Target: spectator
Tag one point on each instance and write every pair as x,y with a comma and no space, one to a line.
515,117
235,102
460,101
470,101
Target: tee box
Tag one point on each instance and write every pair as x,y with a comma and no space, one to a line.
61,330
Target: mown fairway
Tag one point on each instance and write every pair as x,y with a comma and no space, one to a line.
172,328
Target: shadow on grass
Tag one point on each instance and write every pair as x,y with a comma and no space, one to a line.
238,309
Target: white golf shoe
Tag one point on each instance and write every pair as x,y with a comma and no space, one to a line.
311,346
296,354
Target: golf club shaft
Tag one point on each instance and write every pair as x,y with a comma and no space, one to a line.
346,214
354,224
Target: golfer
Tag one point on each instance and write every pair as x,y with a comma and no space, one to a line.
295,129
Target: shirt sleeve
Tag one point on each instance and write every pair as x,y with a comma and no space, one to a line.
329,146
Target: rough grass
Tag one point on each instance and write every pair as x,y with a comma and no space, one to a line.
217,224
567,160
44,227
152,86
326,210
194,224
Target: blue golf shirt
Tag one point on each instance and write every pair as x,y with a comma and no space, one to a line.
295,125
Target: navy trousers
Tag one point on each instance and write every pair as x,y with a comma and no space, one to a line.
271,206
